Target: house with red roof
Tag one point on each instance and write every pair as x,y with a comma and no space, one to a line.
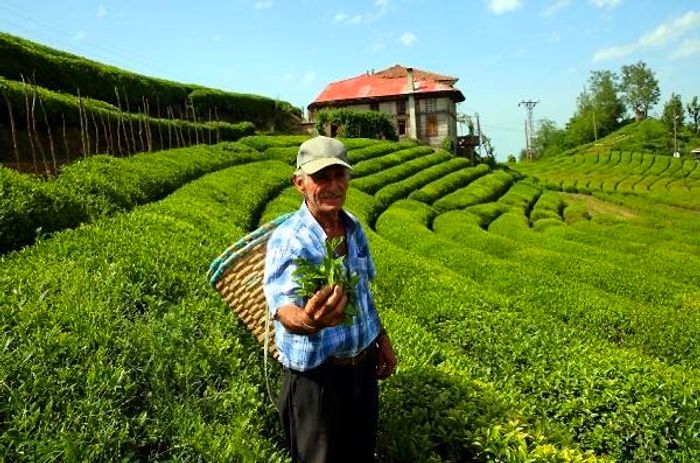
422,104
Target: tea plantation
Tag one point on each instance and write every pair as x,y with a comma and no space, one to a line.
543,312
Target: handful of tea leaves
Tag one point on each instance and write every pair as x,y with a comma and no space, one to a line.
331,271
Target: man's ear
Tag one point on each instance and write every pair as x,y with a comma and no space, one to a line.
298,182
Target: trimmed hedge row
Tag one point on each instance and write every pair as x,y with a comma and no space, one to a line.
607,291
116,348
451,182
371,183
550,205
522,195
606,397
101,185
107,129
396,157
397,190
264,142
483,189
378,149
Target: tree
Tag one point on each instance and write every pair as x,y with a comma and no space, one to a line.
673,112
608,109
694,113
549,139
490,158
581,128
640,89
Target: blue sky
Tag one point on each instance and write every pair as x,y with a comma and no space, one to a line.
502,51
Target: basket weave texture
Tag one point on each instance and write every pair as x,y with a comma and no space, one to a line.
237,274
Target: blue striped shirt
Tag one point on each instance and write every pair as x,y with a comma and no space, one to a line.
302,236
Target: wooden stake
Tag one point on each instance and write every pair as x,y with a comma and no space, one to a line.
65,138
131,125
36,132
29,125
170,128
119,120
48,128
160,124
218,132
13,129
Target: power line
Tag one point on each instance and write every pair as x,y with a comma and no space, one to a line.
35,20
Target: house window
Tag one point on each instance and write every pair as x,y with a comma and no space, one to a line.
430,105
401,107
432,126
402,127
374,106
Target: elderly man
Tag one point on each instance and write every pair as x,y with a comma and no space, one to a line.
328,403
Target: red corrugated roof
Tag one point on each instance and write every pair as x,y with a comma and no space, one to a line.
389,82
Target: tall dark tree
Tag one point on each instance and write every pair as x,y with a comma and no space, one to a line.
581,128
694,114
548,140
674,112
640,89
608,109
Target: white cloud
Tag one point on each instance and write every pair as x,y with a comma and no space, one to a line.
504,6
381,8
615,52
671,29
80,35
101,11
218,38
408,38
340,17
661,35
688,48
309,78
554,7
261,4
381,4
606,3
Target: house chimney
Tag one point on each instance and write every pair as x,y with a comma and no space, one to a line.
411,82
412,113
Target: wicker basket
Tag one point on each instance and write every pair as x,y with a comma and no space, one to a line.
237,274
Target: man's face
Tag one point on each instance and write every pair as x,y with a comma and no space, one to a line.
325,190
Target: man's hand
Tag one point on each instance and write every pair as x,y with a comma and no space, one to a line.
386,358
324,309
327,306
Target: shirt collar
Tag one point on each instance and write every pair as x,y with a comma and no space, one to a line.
308,218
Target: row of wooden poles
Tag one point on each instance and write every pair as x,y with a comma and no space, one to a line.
98,136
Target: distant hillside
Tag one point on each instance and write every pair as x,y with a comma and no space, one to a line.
649,136
61,71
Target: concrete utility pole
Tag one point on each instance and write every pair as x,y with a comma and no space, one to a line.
529,105
675,136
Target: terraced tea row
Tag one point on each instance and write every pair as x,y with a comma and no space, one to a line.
664,178
531,324
116,348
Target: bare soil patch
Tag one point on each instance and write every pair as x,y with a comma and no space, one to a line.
597,206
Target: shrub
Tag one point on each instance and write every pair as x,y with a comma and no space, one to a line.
353,123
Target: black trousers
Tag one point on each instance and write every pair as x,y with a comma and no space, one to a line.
329,414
